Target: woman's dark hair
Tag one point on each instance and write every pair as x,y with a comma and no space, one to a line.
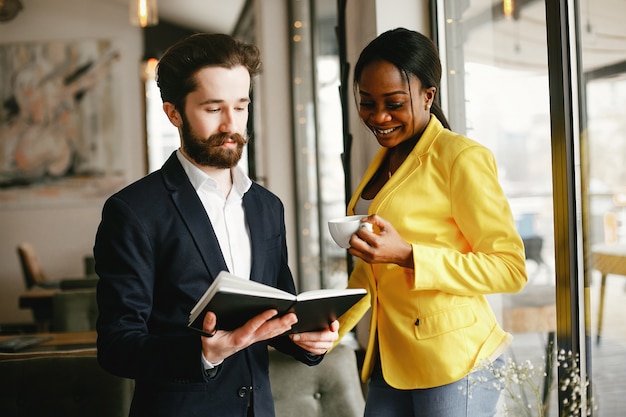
412,53
181,62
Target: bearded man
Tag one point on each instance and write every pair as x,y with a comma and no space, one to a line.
163,239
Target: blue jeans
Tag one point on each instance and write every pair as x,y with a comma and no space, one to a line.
473,396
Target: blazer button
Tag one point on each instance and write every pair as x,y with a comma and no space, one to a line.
242,392
417,322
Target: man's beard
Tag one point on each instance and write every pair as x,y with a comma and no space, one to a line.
209,151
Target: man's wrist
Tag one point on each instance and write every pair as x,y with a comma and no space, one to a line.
210,368
209,365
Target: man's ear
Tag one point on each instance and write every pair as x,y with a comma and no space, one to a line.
172,113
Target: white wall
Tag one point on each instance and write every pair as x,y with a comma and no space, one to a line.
273,130
63,235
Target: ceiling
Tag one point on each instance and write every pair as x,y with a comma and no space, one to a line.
199,15
518,43
521,42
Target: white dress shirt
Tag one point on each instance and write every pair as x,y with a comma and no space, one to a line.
226,215
228,219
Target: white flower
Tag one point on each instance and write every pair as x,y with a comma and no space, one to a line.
521,384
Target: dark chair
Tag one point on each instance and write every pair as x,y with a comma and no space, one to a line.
74,310
34,275
533,245
65,312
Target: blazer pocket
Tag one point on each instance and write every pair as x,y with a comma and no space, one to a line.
446,321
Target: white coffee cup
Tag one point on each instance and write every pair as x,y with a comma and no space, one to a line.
342,228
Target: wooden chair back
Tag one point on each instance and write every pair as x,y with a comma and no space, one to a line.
31,268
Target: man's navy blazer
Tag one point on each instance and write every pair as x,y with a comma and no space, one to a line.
156,254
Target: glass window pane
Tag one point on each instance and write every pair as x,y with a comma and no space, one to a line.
318,142
330,142
603,40
497,93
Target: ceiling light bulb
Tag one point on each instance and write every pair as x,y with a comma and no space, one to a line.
508,6
143,13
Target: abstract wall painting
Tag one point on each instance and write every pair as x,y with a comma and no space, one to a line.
59,123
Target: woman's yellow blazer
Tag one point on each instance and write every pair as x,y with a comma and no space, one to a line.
431,325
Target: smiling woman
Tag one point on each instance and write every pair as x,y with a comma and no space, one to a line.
443,233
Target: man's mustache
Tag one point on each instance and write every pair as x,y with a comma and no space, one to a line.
220,138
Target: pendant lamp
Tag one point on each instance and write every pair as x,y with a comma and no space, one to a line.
143,13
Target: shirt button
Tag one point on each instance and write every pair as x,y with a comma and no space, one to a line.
242,392
417,322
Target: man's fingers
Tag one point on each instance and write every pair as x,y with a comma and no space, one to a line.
334,326
209,324
257,321
268,323
262,327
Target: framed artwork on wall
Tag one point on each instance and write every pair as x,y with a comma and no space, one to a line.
59,123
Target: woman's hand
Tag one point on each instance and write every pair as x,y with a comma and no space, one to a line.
383,245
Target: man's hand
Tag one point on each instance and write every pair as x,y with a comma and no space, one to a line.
226,343
317,343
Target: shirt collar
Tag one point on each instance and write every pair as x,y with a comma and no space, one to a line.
198,178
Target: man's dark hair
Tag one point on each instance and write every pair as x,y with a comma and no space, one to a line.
177,68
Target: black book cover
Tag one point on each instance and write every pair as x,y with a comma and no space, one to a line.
235,301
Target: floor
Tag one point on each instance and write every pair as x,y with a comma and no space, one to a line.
608,358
